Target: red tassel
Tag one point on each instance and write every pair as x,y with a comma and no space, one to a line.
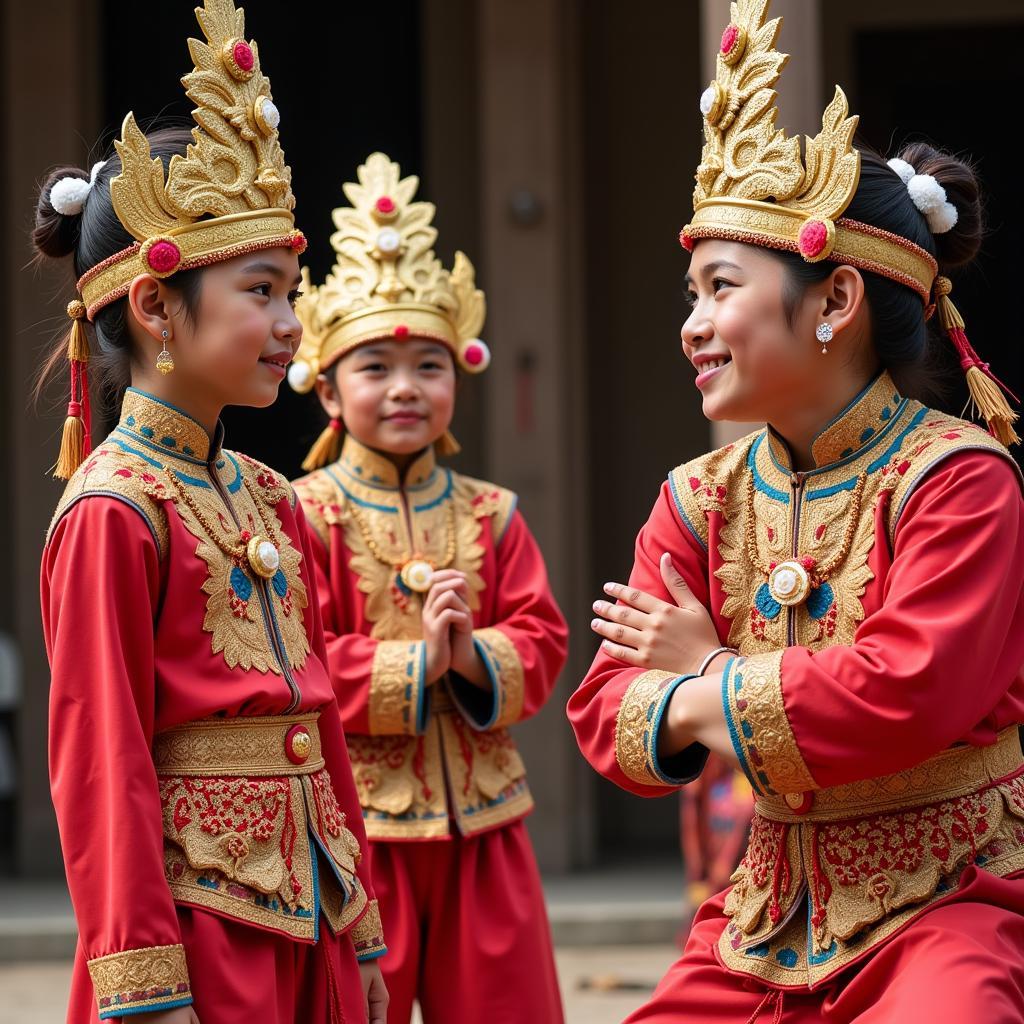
985,388
76,439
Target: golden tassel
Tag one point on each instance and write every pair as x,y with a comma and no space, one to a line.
985,388
326,448
72,445
993,406
447,445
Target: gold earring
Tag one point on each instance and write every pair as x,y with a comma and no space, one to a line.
164,361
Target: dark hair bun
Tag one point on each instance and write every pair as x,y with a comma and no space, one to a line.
56,234
961,243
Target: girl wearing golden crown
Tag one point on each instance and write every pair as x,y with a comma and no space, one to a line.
835,602
207,812
441,628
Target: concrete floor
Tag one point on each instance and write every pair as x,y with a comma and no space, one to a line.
36,992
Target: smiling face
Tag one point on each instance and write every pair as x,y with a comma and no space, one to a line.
753,363
235,348
395,396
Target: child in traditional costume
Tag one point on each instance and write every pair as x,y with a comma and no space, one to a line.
441,627
208,817
862,556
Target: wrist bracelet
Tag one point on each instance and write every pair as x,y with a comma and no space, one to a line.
711,657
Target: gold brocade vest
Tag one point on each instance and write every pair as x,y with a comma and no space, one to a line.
817,891
421,761
265,846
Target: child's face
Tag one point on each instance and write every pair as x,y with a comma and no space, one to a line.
395,396
245,332
739,321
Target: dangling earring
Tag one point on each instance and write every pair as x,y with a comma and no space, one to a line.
164,361
824,335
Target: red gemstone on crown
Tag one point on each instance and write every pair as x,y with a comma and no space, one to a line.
401,332
298,242
686,241
385,205
812,239
474,355
163,257
243,56
729,37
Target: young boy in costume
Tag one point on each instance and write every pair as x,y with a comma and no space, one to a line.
441,628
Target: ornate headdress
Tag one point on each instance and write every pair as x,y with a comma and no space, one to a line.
386,285
229,194
754,186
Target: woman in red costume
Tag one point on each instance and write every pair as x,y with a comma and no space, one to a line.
209,822
441,627
835,602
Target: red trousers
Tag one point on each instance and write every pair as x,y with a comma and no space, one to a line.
959,963
244,975
467,930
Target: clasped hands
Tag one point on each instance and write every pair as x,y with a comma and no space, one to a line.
448,630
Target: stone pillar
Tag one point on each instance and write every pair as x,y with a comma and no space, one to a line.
530,138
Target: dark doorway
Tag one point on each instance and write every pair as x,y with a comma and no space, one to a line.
347,80
949,86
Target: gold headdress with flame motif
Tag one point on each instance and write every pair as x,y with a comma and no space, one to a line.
754,186
230,193
386,283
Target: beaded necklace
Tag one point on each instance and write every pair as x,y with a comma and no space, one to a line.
261,553
415,573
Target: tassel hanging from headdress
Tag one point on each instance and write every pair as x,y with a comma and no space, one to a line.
76,440
447,445
326,448
985,387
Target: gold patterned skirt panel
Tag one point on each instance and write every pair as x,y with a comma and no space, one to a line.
818,891
247,845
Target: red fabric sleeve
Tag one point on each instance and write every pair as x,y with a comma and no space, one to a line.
100,596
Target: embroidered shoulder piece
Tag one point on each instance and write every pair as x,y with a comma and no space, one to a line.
318,493
125,476
702,485
936,439
271,486
488,500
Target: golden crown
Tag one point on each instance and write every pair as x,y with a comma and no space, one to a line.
752,183
386,283
231,192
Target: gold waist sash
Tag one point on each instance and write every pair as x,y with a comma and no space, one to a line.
252,747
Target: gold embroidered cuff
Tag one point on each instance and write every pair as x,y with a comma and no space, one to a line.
368,934
398,688
139,980
761,734
504,705
636,733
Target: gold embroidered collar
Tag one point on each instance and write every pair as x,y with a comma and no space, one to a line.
855,429
162,427
363,465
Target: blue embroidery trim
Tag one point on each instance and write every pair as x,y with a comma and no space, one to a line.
765,603
759,481
737,743
329,470
820,601
655,713
241,584
280,583
438,500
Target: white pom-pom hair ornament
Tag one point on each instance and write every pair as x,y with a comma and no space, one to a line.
68,195
928,196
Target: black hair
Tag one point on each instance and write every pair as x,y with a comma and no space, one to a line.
89,238
906,345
